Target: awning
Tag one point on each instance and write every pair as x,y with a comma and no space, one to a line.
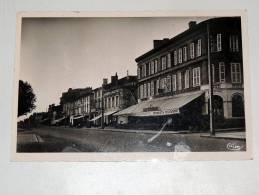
110,112
57,120
105,114
78,117
43,120
96,118
60,119
160,106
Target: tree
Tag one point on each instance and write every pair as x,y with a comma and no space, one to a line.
27,98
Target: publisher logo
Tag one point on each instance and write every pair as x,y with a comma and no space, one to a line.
233,146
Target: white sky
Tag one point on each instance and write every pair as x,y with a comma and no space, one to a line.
59,53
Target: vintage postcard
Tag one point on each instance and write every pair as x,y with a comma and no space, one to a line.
126,86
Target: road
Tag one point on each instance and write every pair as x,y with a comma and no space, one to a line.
64,139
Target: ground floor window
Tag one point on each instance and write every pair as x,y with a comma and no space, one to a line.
237,106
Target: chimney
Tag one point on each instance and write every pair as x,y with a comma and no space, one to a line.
192,24
114,79
105,81
158,43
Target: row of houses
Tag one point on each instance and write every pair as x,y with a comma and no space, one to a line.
88,107
172,82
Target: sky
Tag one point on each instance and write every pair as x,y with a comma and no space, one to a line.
62,53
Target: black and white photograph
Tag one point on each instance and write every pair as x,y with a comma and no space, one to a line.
132,84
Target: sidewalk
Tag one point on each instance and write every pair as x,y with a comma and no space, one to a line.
227,135
138,131
231,133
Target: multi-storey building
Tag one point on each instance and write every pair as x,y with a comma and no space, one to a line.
173,78
77,105
117,95
55,114
97,108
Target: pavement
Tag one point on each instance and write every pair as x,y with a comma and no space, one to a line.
227,135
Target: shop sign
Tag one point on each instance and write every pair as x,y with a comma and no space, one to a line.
166,112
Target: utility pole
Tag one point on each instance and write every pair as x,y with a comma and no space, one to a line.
102,108
211,107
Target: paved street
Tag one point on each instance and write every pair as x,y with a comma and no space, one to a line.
64,139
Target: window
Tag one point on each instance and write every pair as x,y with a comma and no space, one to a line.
162,83
116,101
219,47
143,71
192,51
175,57
180,55
199,48
168,86
152,88
138,73
163,60
140,91
156,66
169,60
233,43
152,67
148,89
187,79
235,73
196,77
145,91
185,54
222,72
109,102
179,79
113,102
147,68
174,82
157,86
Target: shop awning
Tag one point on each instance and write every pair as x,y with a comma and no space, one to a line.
57,120
110,112
105,114
96,118
78,117
160,106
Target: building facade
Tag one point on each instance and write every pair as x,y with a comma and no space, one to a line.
178,67
97,108
118,95
77,105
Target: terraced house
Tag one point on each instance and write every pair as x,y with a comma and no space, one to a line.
77,105
173,77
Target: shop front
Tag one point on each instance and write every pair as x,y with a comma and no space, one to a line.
185,110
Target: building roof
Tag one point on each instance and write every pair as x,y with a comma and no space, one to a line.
75,94
176,38
123,82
